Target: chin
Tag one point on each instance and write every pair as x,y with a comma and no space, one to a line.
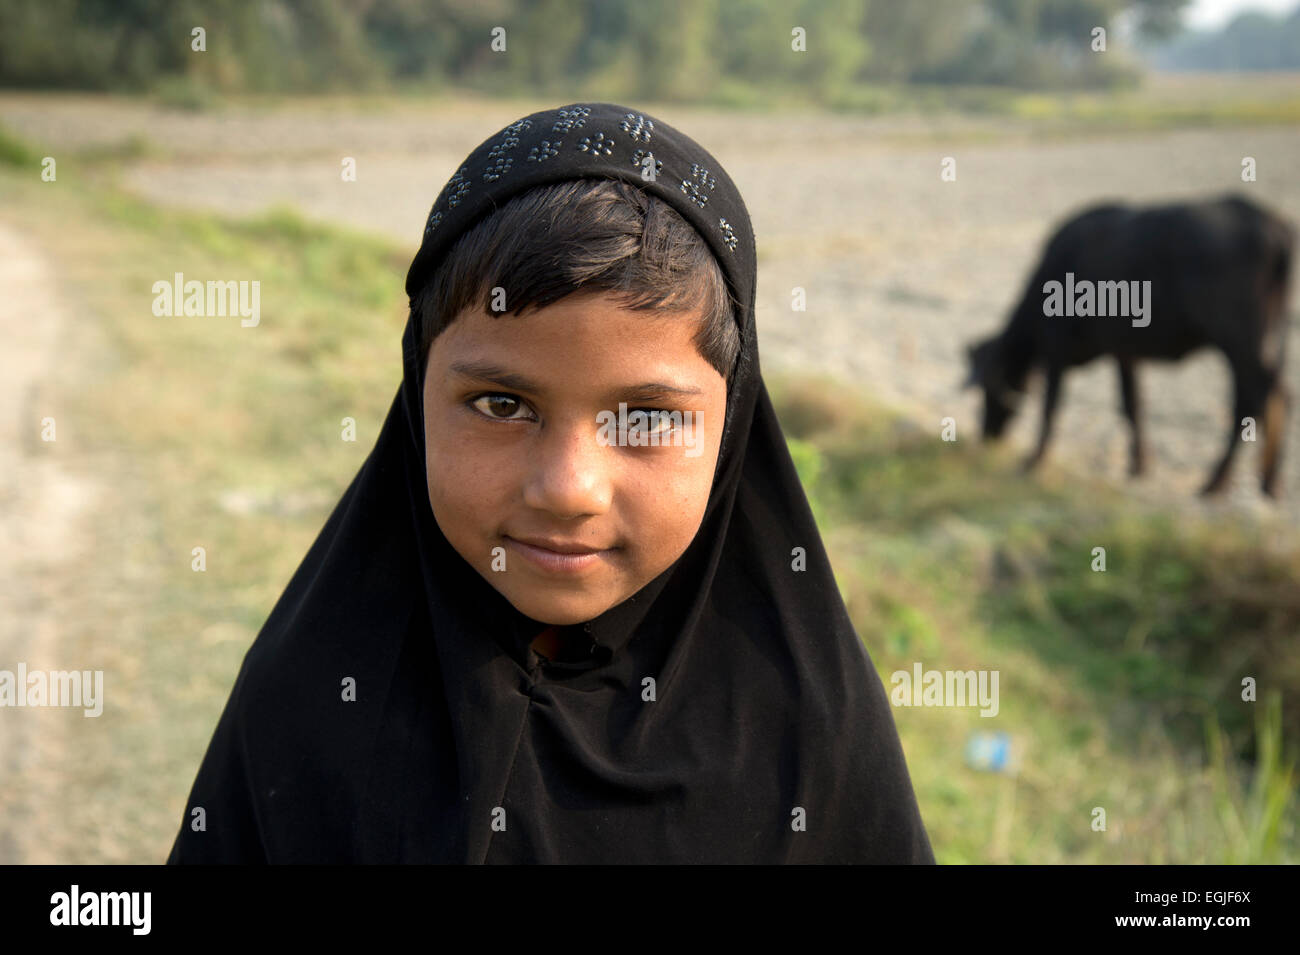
559,613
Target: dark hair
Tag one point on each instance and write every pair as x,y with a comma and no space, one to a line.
585,235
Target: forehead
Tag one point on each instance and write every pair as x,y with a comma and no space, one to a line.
580,337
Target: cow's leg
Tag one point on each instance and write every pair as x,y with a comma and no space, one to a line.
1276,406
1250,385
1132,410
1278,401
1051,396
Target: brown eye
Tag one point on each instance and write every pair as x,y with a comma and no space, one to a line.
497,406
653,420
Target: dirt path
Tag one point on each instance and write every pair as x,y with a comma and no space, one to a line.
44,503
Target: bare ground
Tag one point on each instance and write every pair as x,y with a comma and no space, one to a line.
45,499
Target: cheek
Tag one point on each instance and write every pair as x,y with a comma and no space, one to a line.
681,493
665,506
464,483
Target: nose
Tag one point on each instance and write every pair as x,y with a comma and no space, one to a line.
568,471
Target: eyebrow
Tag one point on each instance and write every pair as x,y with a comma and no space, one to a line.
487,371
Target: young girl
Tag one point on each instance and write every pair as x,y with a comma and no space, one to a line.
574,607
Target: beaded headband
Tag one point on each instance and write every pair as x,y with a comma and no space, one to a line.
596,140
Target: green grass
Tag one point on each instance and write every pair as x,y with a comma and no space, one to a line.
1159,103
1120,690
15,152
1109,681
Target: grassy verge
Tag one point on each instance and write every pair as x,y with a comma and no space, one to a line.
1119,689
908,114
207,434
1160,100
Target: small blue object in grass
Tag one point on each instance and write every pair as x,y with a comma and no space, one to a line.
990,752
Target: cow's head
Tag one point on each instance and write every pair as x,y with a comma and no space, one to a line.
1001,398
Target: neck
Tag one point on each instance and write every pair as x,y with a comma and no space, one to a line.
1017,348
557,643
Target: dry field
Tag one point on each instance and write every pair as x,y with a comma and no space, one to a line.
900,268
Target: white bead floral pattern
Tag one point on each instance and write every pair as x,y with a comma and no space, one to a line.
695,186
571,118
728,235
501,159
639,160
457,186
497,168
498,162
638,127
544,151
597,145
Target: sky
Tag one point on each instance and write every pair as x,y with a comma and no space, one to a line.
1212,14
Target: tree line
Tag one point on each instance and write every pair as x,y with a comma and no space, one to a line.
661,49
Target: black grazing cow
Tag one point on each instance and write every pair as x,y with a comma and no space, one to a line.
1152,283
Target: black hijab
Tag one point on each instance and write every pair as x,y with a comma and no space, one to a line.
769,737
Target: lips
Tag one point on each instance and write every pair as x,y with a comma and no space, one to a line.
559,546
546,555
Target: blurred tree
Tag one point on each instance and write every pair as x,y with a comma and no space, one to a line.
1250,41
653,49
754,39
545,56
1047,43
410,37
836,51
672,44
907,39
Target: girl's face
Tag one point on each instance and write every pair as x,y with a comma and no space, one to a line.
524,442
